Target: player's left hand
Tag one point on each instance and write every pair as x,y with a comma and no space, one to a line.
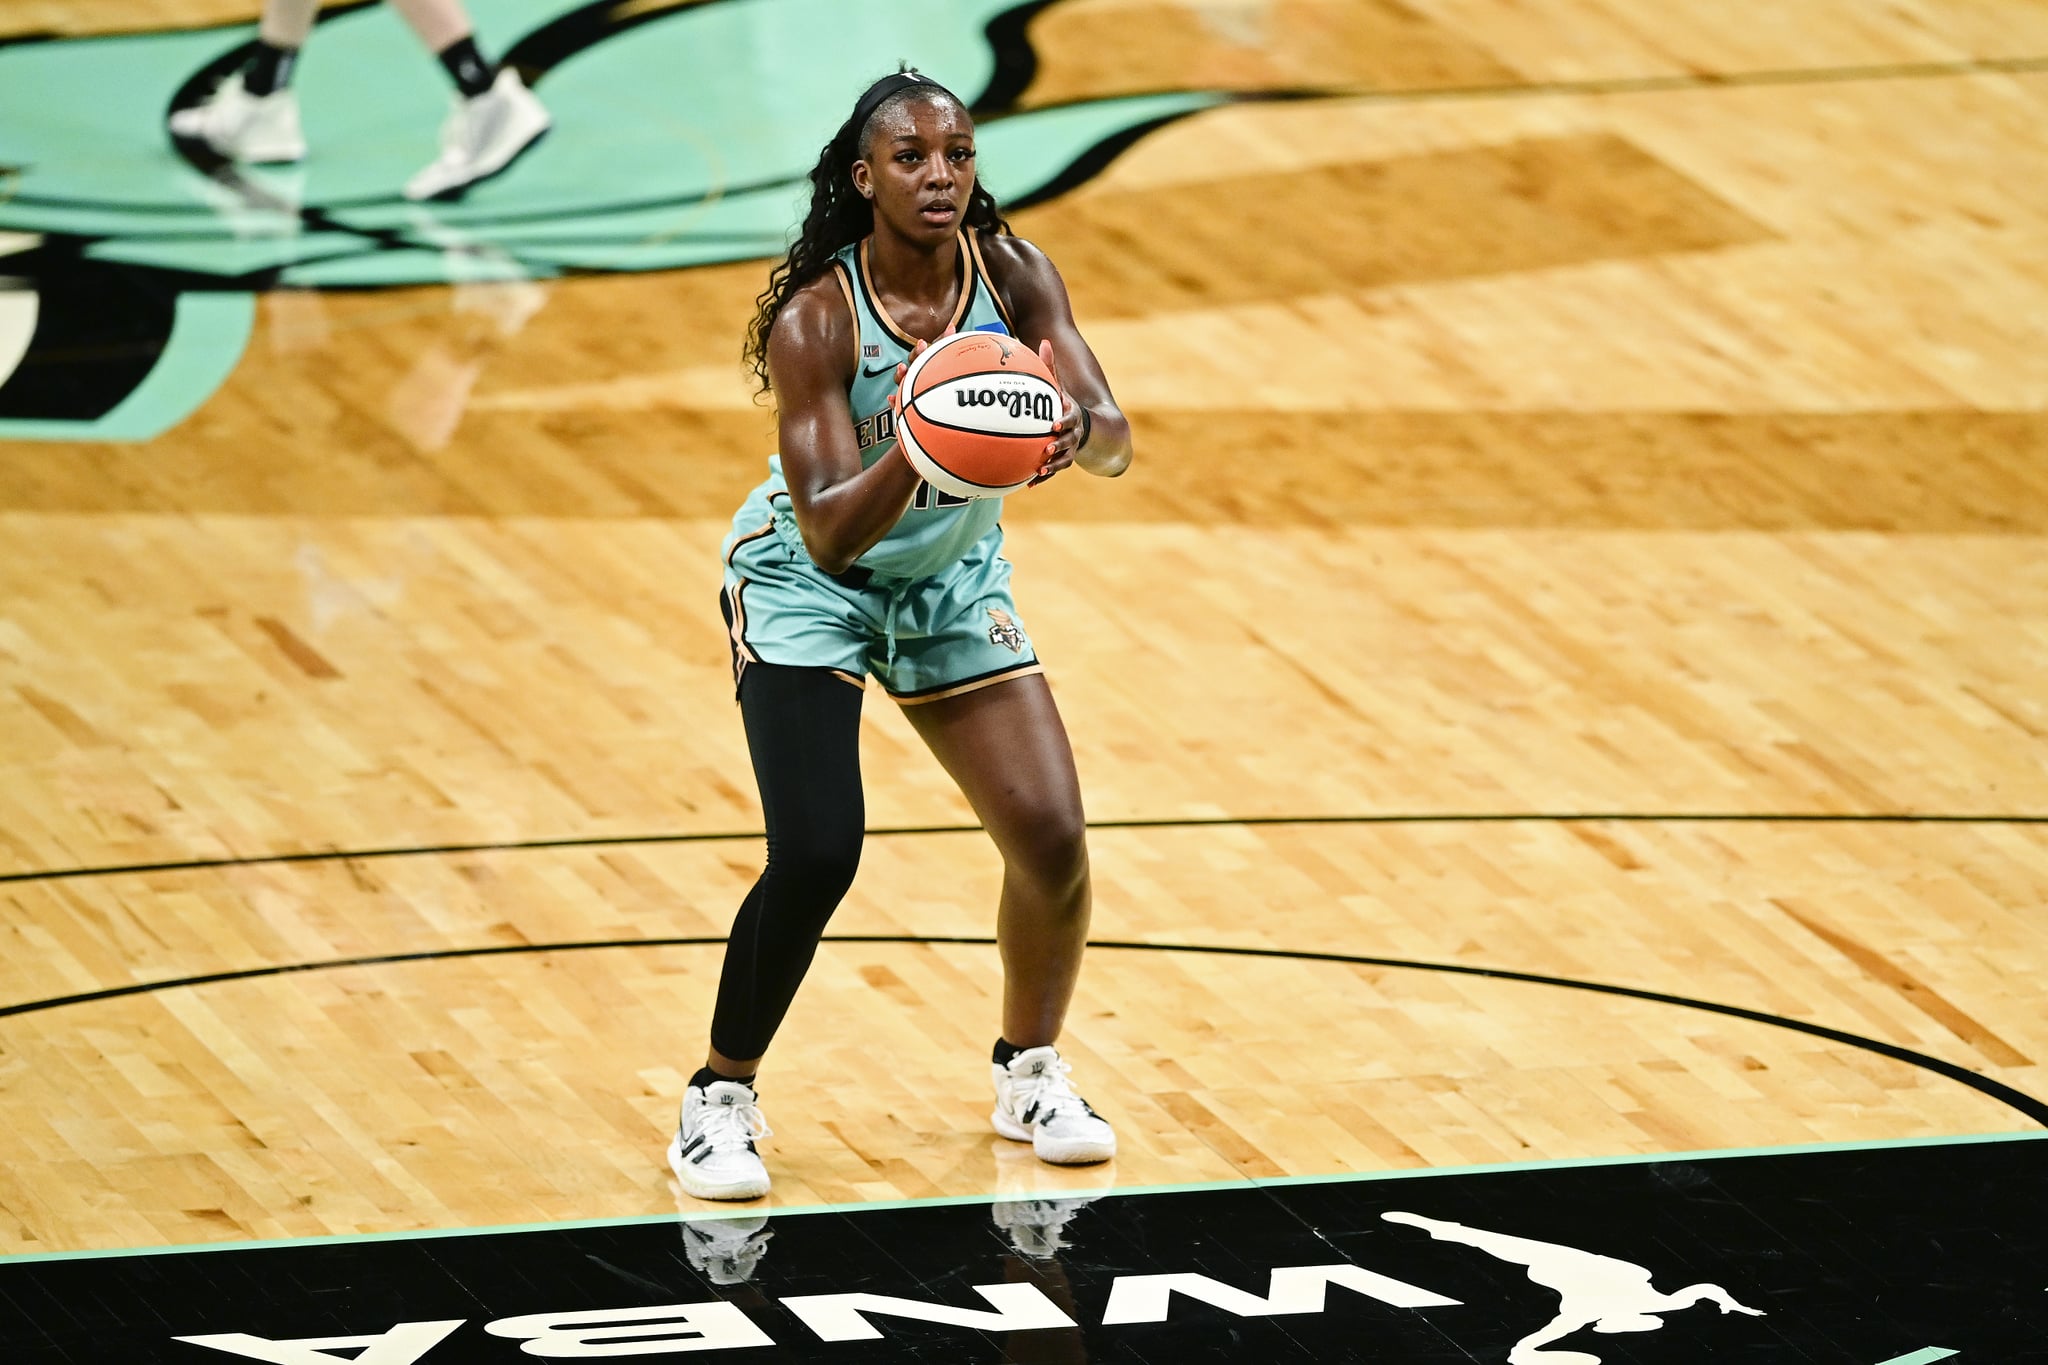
1066,433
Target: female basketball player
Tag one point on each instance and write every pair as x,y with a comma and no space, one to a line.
844,563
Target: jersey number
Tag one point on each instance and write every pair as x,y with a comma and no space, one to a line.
928,497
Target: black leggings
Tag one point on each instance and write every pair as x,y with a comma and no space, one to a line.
803,729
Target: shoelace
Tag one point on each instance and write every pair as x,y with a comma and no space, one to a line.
1049,1091
733,1125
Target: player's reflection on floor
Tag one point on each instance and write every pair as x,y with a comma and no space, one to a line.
1032,1220
1040,1228
727,1251
1041,1211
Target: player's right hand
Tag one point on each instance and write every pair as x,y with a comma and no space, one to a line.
896,396
915,352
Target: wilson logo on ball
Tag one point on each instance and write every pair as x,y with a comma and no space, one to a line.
1038,405
977,413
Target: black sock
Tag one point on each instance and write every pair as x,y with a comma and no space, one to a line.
270,69
1005,1050
467,68
707,1077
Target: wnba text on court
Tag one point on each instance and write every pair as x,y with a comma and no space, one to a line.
715,1325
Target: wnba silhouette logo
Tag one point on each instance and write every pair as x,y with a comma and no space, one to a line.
1014,401
1600,1292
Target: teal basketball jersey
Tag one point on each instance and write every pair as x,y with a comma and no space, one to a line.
938,529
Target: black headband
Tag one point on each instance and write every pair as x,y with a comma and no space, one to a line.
865,108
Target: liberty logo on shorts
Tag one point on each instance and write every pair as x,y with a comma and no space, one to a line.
1004,632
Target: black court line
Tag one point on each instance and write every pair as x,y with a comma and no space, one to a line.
2014,1099
1162,822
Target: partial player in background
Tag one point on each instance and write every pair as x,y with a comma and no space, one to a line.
254,116
845,563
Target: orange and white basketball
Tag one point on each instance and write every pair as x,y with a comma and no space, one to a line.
976,412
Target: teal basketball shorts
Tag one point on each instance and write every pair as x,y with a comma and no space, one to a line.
922,638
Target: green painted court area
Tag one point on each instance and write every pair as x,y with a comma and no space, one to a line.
681,138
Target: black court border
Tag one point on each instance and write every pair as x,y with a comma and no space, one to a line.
55,874
2017,1100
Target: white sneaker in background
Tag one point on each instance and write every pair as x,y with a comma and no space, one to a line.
481,137
245,127
713,1152
1036,1103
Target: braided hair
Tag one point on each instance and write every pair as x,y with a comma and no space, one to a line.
839,216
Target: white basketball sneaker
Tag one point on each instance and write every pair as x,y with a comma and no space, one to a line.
245,127
481,137
1035,1103
712,1152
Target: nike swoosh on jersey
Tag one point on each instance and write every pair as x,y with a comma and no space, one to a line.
876,374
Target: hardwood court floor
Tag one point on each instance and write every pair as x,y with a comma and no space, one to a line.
1603,415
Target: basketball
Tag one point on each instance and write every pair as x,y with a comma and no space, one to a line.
976,411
